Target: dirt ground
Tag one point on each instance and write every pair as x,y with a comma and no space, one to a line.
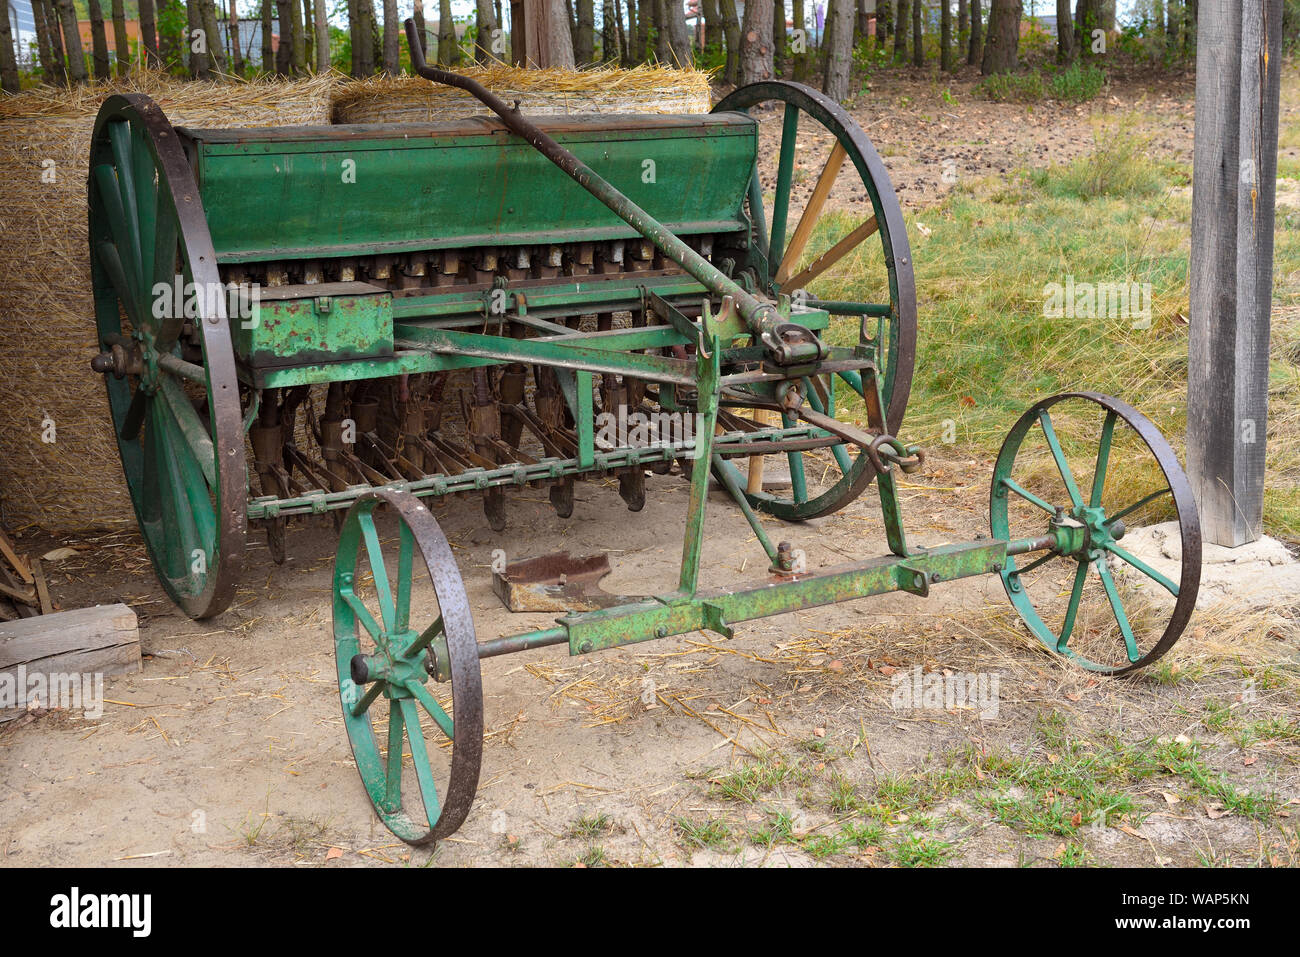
228,749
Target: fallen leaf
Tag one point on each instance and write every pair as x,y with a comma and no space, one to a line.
59,554
819,732
1170,798
887,670
1076,820
1216,811
1249,761
333,853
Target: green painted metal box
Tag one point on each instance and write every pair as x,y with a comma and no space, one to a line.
312,192
323,322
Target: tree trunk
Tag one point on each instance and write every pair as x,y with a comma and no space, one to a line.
216,52
731,34
644,24
976,51
756,42
322,36
839,47
799,56
448,48
945,38
677,39
1064,33
194,37
918,49
487,28
48,71
584,47
884,18
902,28
121,45
1087,18
98,40
1003,44
778,37
236,51
392,48
307,36
629,35
1108,15
608,32
268,51
8,53
284,20
963,17
298,14
76,57
712,23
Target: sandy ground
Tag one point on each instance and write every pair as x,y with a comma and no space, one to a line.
228,748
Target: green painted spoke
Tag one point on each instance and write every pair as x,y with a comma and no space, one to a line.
839,453
180,531
150,500
420,755
1117,607
854,380
119,135
1138,504
404,564
123,240
1072,610
1143,567
366,700
383,590
426,636
798,481
1062,466
194,481
112,263
1028,496
784,174
393,771
362,613
430,703
757,213
1043,560
146,194
133,421
191,428
1103,459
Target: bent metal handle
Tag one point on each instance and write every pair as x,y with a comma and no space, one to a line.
763,318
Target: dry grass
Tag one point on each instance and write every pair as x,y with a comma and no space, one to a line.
643,89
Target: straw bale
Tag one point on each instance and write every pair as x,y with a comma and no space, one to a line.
642,89
46,311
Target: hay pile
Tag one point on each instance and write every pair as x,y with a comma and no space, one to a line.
46,311
642,89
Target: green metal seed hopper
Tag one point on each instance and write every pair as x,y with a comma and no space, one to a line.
284,316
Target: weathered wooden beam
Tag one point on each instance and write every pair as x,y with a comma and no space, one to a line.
65,648
1234,183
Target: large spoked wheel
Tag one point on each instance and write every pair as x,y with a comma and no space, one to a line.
167,359
1093,478
412,696
849,256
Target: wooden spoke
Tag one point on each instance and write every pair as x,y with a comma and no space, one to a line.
812,212
833,255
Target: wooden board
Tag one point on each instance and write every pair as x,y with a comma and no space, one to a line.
102,640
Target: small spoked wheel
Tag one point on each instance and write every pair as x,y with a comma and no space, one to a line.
1087,470
412,694
846,251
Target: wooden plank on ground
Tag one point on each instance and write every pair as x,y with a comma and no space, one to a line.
103,640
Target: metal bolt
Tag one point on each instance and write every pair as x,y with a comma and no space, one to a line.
661,631
585,648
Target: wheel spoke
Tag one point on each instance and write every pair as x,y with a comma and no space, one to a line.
798,480
1103,459
420,755
366,700
179,532
1117,607
430,703
833,255
1028,496
404,563
146,195
784,174
426,637
191,428
1138,504
1072,610
393,768
383,589
812,212
133,421
759,217
112,263
124,240
119,135
361,612
1062,466
195,481
1037,562
1143,567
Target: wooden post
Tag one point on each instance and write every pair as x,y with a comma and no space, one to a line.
1234,182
